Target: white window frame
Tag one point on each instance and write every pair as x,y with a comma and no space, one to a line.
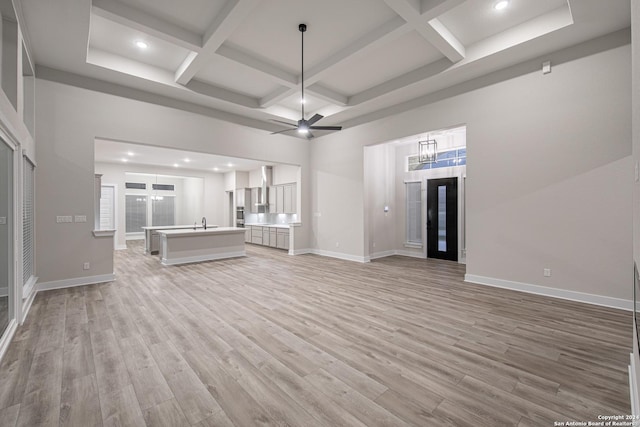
414,238
28,226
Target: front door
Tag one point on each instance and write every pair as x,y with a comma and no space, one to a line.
442,218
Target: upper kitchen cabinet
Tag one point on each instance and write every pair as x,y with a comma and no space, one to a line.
285,199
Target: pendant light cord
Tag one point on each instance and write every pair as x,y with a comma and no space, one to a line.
302,101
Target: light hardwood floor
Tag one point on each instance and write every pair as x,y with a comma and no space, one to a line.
270,339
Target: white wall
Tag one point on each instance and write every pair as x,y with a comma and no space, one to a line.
548,170
70,118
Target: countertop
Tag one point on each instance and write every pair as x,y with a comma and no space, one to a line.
175,227
200,231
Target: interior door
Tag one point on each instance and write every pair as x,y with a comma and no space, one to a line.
442,218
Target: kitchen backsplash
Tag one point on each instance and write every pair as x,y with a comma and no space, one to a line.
270,218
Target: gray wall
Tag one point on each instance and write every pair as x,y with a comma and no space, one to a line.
70,118
635,23
549,170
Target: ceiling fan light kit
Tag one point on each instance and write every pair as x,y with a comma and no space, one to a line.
303,126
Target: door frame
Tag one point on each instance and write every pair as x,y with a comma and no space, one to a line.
461,174
115,211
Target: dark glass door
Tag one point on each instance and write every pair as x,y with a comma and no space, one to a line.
442,218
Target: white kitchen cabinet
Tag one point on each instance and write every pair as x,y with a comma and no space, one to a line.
272,199
289,193
279,199
282,237
256,235
247,235
265,236
255,199
243,198
273,237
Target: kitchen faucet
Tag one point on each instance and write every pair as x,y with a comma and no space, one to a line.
204,222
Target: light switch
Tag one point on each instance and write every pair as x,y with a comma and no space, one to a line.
64,218
546,67
3,220
80,218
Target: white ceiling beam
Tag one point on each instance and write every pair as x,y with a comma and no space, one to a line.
328,94
400,82
275,73
430,9
225,22
141,21
221,93
433,30
276,96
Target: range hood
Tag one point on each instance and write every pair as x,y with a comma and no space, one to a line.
266,173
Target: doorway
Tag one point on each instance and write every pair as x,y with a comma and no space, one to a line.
442,218
7,287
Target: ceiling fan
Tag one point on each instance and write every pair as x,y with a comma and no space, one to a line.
305,126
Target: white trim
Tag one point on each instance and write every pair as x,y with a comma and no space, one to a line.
121,247
383,254
410,254
201,258
26,305
78,281
605,301
300,251
412,245
27,288
7,337
104,233
340,255
633,387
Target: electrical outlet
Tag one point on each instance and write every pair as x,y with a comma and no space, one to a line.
86,266
3,220
547,272
80,218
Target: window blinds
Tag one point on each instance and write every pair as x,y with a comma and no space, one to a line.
28,219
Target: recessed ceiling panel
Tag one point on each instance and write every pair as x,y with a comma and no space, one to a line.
475,20
107,151
230,75
194,15
394,59
121,40
311,104
272,28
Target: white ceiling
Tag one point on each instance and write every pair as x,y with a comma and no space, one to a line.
108,151
361,56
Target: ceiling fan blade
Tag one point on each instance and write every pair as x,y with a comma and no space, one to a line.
309,135
326,127
283,131
285,123
315,118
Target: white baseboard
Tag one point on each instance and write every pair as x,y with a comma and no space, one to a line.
4,292
201,258
410,254
8,337
28,287
121,247
618,303
340,255
382,254
78,281
300,251
633,387
27,303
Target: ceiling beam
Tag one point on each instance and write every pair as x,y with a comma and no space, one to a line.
430,9
328,94
136,19
275,73
276,96
432,30
225,22
221,93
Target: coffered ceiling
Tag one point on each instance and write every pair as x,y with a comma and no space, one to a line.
241,58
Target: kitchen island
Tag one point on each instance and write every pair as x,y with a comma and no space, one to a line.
183,246
152,238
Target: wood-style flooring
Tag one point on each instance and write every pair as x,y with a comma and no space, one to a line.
271,339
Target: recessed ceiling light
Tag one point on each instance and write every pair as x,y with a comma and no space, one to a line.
175,165
230,165
130,153
187,160
142,45
215,169
124,159
501,4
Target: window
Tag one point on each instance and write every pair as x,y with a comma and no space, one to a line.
135,213
414,213
135,185
28,218
163,210
167,187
